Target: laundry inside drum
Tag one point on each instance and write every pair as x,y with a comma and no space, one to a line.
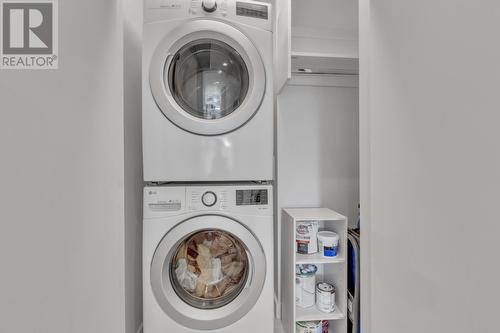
209,268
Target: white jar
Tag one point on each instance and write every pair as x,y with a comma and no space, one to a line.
328,243
305,285
309,326
325,297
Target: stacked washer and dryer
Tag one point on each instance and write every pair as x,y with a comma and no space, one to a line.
208,161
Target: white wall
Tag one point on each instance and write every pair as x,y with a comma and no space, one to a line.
430,81
318,146
62,182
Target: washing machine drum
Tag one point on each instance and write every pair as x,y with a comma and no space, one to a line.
207,77
208,272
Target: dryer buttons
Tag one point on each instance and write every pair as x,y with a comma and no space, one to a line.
209,5
209,198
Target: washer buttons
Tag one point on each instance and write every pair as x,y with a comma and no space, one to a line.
209,198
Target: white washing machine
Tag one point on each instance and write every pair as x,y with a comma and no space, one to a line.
208,259
207,91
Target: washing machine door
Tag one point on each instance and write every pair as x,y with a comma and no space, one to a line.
208,272
207,77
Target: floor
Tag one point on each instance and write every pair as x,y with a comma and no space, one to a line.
277,327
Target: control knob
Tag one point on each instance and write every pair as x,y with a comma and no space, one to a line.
209,5
209,198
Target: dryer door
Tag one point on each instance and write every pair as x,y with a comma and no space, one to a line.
208,272
207,77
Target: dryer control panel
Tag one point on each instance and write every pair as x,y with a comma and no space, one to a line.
254,13
162,201
212,8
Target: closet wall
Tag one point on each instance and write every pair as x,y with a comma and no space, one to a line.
318,164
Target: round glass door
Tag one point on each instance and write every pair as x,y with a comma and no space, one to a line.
209,269
208,272
208,79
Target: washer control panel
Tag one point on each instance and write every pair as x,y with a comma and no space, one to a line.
162,201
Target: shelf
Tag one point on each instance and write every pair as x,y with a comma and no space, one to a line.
324,63
324,47
314,214
323,55
312,313
317,258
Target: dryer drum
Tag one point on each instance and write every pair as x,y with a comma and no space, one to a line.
208,79
209,268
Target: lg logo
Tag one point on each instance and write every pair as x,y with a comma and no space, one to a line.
29,38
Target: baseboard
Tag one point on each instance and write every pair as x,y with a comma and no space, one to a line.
140,329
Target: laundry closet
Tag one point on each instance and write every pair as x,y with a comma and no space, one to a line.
317,138
308,137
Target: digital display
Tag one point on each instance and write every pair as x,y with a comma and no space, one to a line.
251,10
251,197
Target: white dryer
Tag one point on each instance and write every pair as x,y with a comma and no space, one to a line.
208,259
207,91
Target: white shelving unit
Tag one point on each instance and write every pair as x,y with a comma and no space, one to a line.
332,270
